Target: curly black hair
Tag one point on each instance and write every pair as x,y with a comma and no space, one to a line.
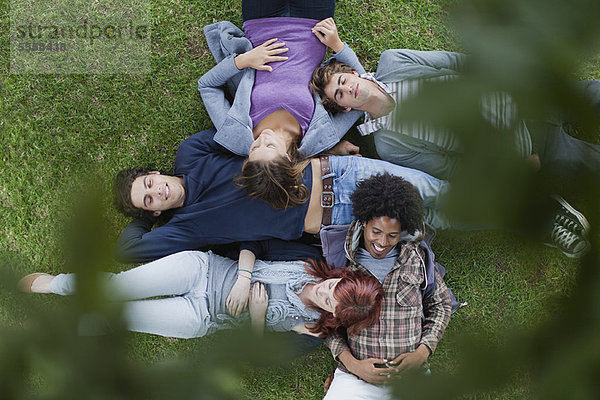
385,195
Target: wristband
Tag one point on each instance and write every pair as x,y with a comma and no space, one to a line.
245,270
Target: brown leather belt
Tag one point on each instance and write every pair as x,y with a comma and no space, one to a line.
327,197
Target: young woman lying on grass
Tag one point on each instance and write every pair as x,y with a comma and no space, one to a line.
307,298
268,67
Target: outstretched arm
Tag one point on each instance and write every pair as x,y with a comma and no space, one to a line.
302,329
399,59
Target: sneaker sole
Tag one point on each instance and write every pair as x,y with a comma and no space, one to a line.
579,254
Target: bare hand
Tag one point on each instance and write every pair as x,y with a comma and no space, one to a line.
327,33
408,361
238,297
258,302
260,56
367,371
345,148
534,161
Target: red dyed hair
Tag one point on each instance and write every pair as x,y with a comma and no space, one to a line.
359,299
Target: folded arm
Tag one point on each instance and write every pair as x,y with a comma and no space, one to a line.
138,243
211,87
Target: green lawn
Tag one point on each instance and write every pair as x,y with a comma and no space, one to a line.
63,135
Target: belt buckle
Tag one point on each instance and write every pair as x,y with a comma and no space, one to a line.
323,201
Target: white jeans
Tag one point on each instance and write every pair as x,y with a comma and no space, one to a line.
182,275
346,386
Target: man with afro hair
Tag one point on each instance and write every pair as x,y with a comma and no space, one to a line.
384,240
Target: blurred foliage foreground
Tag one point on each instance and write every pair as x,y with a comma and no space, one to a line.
531,49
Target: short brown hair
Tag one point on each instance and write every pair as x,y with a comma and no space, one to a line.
122,192
322,76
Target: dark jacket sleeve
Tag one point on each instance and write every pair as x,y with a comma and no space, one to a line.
129,239
282,250
138,243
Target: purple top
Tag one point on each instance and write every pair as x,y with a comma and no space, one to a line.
287,85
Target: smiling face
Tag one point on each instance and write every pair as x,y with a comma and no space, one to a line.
156,192
349,90
381,235
322,294
267,146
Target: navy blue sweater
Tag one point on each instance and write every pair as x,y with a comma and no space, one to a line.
214,211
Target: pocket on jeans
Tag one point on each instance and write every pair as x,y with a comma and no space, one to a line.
344,182
342,169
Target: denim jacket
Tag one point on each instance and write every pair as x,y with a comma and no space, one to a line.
232,121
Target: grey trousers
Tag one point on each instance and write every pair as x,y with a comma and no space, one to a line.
560,153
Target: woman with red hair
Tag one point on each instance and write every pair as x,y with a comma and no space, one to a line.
307,298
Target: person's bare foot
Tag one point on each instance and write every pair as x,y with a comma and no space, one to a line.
36,283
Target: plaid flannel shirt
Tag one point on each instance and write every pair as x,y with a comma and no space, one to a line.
406,320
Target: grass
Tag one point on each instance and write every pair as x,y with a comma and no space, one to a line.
61,134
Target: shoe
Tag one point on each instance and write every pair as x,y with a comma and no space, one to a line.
570,243
328,381
570,218
26,283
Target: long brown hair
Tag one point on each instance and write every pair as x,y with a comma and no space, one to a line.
278,182
359,299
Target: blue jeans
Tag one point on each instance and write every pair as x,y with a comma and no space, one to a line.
313,9
402,150
349,170
184,276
